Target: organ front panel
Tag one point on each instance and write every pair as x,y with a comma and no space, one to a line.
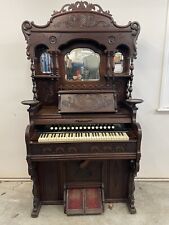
83,141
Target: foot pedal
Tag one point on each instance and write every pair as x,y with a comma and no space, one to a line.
81,200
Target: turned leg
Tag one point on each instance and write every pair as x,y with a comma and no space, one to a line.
35,190
36,205
131,199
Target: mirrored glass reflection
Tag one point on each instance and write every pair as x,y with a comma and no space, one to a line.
82,64
46,64
118,62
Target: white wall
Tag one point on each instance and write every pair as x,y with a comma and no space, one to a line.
16,81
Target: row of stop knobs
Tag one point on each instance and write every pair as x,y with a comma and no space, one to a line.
96,127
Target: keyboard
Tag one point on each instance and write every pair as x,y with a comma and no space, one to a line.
64,137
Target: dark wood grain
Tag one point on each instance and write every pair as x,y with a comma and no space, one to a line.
52,166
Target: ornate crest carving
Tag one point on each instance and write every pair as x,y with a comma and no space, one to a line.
81,6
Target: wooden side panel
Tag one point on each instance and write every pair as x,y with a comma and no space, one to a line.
51,180
116,179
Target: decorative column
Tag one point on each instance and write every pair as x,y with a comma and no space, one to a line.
33,80
130,84
57,65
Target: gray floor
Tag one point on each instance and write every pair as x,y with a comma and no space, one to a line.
152,202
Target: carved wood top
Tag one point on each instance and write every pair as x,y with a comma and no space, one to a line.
81,6
83,18
81,25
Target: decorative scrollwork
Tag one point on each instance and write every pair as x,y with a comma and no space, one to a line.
135,26
26,29
80,86
82,6
82,21
80,149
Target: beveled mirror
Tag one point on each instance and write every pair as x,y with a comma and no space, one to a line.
82,64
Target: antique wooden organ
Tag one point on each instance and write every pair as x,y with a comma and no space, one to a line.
83,142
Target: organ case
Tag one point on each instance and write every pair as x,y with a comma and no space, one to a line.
83,138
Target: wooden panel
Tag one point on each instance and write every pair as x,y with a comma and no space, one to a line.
82,171
51,180
87,102
81,148
116,179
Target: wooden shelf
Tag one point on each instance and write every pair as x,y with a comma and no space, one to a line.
46,77
122,75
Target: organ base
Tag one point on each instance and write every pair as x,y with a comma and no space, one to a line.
51,178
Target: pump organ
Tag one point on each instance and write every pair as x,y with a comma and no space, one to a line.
83,126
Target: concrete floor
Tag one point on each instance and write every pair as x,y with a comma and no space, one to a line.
152,203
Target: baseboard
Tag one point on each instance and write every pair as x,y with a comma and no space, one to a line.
152,179
15,179
142,179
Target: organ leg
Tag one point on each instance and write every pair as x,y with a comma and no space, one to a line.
131,199
35,190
